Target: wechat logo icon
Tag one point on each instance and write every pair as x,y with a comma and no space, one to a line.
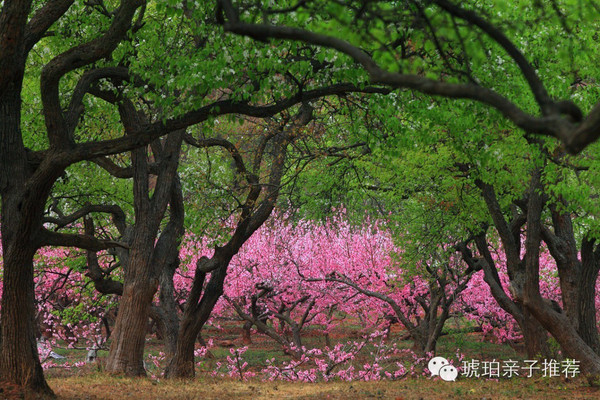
440,366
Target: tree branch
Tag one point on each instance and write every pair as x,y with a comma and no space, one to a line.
115,210
83,86
575,136
49,238
77,57
148,132
536,85
43,19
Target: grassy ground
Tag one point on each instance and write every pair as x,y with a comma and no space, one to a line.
90,382
99,386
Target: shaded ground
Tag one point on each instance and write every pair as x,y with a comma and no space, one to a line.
103,387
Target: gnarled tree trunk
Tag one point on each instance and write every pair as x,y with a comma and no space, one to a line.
129,334
588,328
19,359
534,333
195,316
555,321
167,313
21,219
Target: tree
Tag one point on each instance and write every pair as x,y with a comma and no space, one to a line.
147,257
26,177
429,47
394,46
257,207
89,61
485,193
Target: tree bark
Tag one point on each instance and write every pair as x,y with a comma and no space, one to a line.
195,316
167,261
19,360
555,321
588,328
129,334
167,310
534,336
536,339
146,260
247,332
577,277
564,333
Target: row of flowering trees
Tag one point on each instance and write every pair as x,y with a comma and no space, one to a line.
290,278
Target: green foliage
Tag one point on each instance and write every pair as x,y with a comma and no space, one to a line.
426,156
87,183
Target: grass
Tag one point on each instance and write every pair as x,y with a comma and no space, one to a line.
101,386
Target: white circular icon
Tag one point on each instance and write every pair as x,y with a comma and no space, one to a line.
448,373
435,364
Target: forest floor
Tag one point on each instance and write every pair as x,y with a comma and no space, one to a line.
90,382
104,387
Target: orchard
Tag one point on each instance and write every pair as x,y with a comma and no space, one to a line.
293,281
392,197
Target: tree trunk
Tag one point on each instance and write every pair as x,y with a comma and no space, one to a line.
126,354
297,337
555,321
435,329
182,363
168,307
201,302
587,317
419,344
535,337
147,256
579,302
564,333
247,332
19,360
587,327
